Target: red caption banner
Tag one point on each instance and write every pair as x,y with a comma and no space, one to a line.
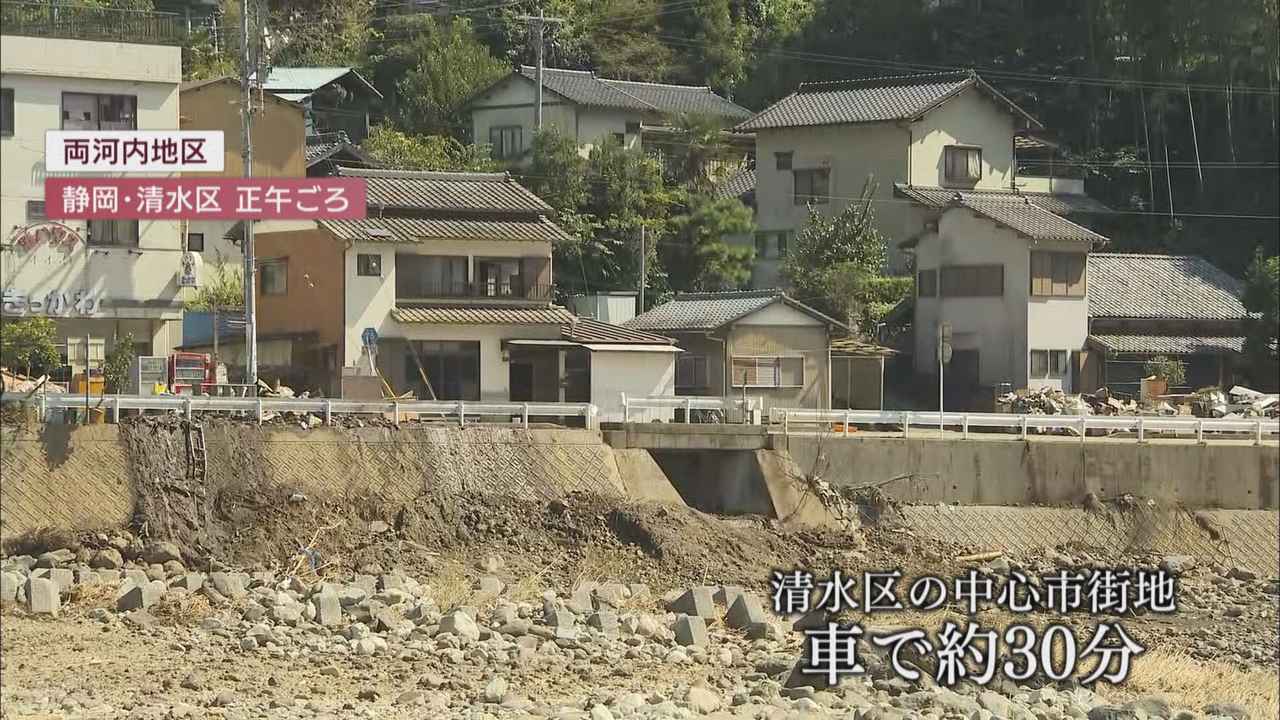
209,199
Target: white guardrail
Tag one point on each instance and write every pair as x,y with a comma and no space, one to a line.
1256,428
689,403
259,407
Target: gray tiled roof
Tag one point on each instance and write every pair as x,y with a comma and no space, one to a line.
1032,221
678,99
487,193
1167,344
1059,203
881,99
394,229
738,184
584,88
1186,287
589,330
325,145
473,315
708,311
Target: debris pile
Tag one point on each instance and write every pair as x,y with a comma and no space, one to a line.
1049,401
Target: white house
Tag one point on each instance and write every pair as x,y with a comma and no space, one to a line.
820,144
105,278
452,273
587,108
995,255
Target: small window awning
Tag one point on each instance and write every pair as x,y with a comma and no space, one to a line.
623,347
540,343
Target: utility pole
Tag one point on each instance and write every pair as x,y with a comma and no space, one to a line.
537,26
246,155
643,270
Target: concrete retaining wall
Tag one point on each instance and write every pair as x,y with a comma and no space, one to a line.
1048,471
82,477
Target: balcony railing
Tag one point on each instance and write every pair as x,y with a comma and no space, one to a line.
485,290
78,22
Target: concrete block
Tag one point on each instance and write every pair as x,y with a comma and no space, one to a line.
229,585
191,581
64,578
490,586
328,607
726,594
691,631
560,618
611,595
137,575
42,596
606,621
368,583
391,581
744,612
85,576
697,601
460,624
11,587
135,596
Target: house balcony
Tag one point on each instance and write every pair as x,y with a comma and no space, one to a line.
509,291
1055,184
77,22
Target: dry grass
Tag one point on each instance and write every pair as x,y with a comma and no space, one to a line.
602,564
93,595
451,584
1191,683
182,608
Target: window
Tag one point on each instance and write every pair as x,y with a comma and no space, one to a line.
275,277
195,242
1049,364
498,277
83,111
507,141
428,276
633,127
782,160
972,281
122,233
963,164
622,139
927,283
691,371
762,244
6,111
35,211
783,237
1058,274
812,186
453,368
767,371
369,265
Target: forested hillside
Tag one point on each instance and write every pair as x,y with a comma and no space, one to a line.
1168,108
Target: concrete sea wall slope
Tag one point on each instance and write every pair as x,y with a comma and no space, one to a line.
1217,503
1046,471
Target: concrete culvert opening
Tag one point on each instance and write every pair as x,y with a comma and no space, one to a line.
724,482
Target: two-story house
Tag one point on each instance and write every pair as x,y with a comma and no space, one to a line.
92,69
335,98
588,108
996,258
820,145
452,273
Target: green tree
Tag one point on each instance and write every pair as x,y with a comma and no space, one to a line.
627,193
693,152
222,292
835,261
321,33
29,344
623,42
115,367
425,69
1174,372
697,256
1262,338
717,52
557,173
399,150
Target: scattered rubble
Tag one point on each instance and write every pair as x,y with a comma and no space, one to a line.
267,643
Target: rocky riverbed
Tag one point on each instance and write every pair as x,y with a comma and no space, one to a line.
116,628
